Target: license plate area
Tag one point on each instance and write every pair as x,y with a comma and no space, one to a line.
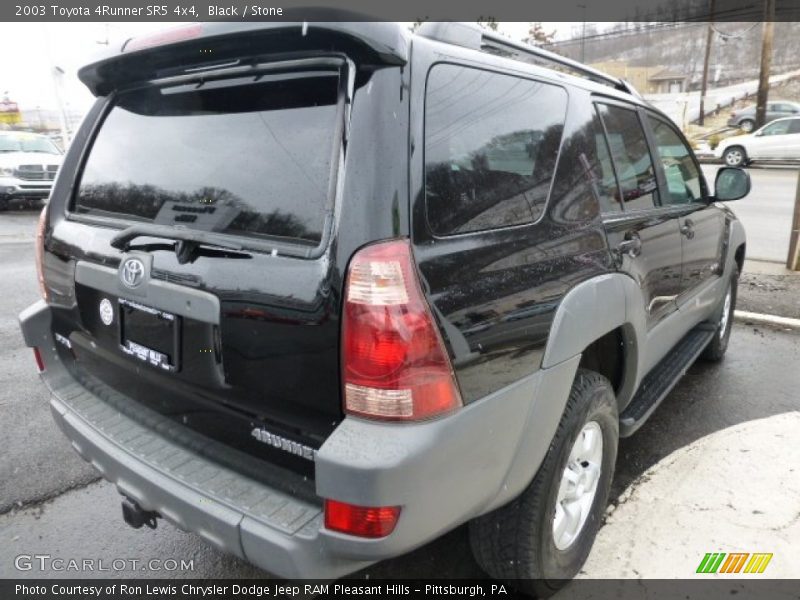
150,335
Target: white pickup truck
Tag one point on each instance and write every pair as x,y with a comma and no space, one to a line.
28,165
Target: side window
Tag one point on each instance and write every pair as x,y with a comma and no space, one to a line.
632,162
776,128
491,144
794,127
683,177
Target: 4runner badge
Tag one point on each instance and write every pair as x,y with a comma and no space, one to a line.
282,443
132,272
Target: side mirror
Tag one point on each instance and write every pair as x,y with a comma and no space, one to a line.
731,183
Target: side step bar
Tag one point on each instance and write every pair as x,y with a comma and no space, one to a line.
660,381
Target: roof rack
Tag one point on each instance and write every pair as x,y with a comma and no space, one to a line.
470,35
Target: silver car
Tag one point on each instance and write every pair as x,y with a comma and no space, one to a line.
745,118
778,141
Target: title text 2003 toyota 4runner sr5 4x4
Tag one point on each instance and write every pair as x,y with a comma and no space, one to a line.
334,289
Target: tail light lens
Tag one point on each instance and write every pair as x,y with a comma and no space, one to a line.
395,365
361,521
37,356
40,232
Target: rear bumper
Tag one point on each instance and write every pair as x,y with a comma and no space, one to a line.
442,472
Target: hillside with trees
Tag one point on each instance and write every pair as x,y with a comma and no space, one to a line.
735,51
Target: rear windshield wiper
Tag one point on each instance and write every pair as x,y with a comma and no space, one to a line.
188,239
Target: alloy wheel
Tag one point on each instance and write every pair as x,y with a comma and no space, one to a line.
724,319
734,157
578,486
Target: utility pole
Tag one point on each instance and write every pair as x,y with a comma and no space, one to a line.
56,73
793,259
704,87
583,34
766,60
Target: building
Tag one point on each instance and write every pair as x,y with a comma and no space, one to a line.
647,80
639,77
667,81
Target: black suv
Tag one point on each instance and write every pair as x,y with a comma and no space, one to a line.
322,292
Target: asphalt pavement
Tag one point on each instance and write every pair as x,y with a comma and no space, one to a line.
35,463
740,417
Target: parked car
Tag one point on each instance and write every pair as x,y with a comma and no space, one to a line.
28,165
778,141
745,118
322,308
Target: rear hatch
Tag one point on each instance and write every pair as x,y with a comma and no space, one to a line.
199,230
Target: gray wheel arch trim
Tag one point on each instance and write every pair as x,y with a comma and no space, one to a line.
592,309
589,311
736,238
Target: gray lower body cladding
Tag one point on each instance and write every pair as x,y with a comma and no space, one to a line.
442,472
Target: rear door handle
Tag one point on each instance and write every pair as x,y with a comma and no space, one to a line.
687,229
632,246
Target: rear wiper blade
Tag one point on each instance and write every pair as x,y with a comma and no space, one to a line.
123,239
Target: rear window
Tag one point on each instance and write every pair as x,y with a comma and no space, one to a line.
246,157
491,144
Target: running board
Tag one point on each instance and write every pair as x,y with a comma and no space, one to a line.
663,377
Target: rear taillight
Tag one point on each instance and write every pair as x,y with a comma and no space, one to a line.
40,232
394,363
361,521
37,355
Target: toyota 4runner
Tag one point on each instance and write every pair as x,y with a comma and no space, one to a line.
321,293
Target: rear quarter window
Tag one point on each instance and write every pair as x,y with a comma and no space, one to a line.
491,146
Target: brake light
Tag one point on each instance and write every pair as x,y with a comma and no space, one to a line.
40,233
37,355
394,362
361,521
168,36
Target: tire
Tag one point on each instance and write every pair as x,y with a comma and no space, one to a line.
3,204
723,319
735,156
747,125
517,543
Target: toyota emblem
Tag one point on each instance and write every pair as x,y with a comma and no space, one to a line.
132,272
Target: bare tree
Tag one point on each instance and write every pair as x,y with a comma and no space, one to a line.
415,25
537,36
488,23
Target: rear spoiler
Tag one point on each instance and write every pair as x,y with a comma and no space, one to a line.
208,45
